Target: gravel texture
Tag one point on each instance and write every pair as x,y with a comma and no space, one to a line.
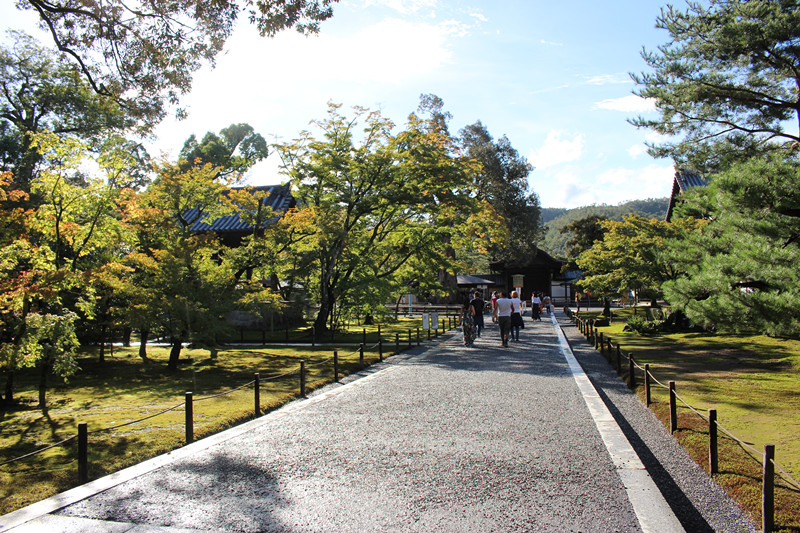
455,438
698,502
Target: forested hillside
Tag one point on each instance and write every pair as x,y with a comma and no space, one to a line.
555,218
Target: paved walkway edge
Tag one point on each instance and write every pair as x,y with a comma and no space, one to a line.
652,510
66,498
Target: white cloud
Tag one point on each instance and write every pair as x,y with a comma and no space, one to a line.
630,103
557,150
478,16
651,181
576,186
636,150
607,79
405,7
655,137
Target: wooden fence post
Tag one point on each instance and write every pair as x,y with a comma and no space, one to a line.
647,399
631,371
713,458
409,337
361,355
189,418
336,366
396,343
768,490
302,378
257,393
601,344
380,348
673,408
83,452
364,335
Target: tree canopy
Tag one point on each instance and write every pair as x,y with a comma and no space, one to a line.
40,93
634,255
741,269
502,181
726,83
144,53
382,207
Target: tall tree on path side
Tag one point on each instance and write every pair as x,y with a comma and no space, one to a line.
144,53
38,93
726,83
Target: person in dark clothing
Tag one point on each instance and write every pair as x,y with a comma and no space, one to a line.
478,305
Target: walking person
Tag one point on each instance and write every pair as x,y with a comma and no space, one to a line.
536,307
478,305
502,314
516,316
468,322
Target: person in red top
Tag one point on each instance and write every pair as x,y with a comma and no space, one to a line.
494,305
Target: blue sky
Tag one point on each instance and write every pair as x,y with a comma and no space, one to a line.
552,76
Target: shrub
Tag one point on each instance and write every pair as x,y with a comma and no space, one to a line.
644,327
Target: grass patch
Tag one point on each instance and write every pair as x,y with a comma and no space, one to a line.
124,389
752,382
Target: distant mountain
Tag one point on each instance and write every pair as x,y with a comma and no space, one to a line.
555,218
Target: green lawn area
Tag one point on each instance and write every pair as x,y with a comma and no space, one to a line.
125,389
754,384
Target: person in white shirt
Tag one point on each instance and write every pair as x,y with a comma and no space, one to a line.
536,307
502,311
516,316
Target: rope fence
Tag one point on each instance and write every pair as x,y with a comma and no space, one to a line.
767,457
187,405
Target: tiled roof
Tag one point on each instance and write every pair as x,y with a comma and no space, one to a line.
684,180
279,199
474,280
687,179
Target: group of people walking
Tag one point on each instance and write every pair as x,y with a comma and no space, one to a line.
507,312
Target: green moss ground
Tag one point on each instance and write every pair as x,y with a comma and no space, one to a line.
124,389
754,384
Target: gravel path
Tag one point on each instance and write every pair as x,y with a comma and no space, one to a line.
451,439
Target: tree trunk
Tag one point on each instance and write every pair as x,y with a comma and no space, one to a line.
44,366
126,336
9,394
175,353
321,322
326,304
103,344
143,334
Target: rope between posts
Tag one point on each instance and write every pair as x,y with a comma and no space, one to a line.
278,376
136,421
178,406
637,365
40,450
698,413
200,399
320,363
787,477
740,441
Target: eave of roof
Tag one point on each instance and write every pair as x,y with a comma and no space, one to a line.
279,199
